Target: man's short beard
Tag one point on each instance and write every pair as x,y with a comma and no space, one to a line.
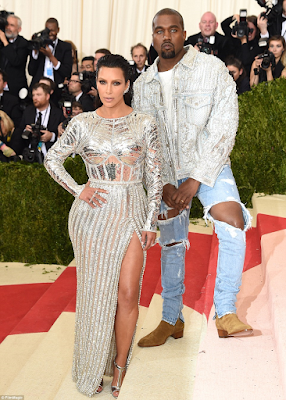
10,35
168,54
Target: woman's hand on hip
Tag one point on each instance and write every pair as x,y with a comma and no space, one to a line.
92,197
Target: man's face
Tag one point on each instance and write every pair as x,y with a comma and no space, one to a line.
40,98
139,56
74,85
208,24
12,29
76,111
87,65
96,58
2,84
168,35
54,30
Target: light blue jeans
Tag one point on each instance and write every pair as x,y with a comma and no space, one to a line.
230,256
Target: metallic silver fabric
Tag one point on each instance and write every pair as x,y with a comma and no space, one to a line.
204,117
119,155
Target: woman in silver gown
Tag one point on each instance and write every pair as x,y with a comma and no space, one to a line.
112,223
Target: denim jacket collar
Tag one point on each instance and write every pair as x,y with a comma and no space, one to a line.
186,60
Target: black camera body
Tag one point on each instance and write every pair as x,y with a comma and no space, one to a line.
272,11
68,107
240,28
40,39
206,45
3,19
268,59
87,80
31,154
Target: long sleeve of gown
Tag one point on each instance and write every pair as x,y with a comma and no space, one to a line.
152,175
57,154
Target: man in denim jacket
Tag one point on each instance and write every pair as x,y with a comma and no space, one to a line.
194,100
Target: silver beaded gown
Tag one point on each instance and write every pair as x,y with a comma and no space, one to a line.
120,155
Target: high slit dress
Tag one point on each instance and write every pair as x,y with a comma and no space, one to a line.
120,155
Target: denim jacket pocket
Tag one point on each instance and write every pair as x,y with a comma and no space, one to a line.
198,108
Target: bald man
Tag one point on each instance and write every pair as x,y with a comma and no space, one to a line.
223,47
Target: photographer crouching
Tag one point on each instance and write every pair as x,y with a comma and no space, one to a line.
270,64
39,125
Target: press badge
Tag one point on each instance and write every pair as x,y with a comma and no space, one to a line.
49,73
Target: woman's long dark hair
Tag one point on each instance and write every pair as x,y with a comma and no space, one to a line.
115,61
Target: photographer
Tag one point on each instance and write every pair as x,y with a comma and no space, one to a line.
275,23
53,61
13,55
7,152
87,64
237,71
222,47
246,46
76,108
268,66
75,89
40,121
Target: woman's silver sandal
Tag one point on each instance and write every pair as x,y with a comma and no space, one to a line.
119,380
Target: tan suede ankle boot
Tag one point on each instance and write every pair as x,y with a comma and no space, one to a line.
161,334
230,325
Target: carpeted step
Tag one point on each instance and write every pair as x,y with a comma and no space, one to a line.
47,309
16,301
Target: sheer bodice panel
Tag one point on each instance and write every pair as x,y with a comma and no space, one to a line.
123,150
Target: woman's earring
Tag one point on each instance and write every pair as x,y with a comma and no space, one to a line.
126,90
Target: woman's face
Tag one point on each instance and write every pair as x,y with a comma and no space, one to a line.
276,47
111,85
252,34
234,71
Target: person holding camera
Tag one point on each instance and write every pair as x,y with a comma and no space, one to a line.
273,21
222,46
269,66
75,89
53,61
40,122
244,37
13,55
237,71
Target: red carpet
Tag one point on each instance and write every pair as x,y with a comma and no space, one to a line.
35,307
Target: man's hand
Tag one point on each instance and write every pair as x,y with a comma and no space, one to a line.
3,38
92,92
46,51
168,191
184,194
262,24
28,128
46,137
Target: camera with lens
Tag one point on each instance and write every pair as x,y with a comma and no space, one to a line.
31,154
40,39
206,44
268,59
274,8
87,80
65,95
240,28
3,19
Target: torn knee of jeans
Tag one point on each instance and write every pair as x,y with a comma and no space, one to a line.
246,215
174,242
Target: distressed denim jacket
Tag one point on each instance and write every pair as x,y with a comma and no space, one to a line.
204,116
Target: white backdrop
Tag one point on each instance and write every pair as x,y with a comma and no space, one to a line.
115,24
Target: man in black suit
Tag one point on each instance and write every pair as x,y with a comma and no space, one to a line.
139,54
208,25
9,103
13,55
75,90
42,113
53,61
277,26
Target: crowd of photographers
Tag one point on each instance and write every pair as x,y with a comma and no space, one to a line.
33,117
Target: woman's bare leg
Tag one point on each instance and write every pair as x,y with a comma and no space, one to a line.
127,306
